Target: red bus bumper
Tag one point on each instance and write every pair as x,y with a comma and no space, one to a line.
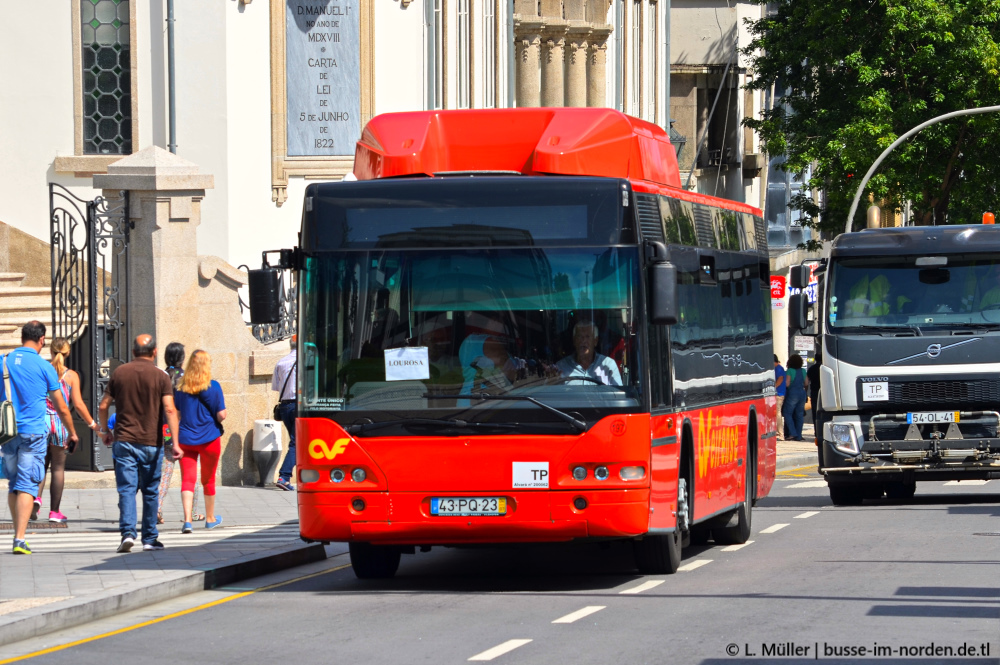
403,518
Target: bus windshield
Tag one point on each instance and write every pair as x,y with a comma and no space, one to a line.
909,292
397,334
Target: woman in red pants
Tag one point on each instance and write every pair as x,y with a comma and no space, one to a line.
202,409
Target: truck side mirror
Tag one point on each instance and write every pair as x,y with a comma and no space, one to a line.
798,277
664,309
265,288
798,309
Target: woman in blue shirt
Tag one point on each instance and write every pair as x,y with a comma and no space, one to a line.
202,409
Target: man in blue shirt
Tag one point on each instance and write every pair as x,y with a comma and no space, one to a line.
32,380
780,387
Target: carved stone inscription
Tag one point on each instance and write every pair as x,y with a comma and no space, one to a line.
323,77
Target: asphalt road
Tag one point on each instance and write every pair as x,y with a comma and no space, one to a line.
911,579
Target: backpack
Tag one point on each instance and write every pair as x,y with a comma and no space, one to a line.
8,418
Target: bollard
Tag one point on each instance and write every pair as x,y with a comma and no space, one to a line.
267,435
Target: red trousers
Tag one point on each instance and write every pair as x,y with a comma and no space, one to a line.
209,453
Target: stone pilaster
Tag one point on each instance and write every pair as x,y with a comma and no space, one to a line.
553,63
528,40
597,66
576,65
177,295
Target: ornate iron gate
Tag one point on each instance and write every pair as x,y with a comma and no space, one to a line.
90,297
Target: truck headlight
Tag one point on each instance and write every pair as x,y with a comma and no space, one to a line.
845,438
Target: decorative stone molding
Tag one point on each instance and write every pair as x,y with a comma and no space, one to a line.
211,267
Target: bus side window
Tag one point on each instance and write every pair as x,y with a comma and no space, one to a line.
668,213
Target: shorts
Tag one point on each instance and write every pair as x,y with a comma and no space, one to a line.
24,462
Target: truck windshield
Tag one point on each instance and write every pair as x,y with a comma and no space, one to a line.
884,293
397,334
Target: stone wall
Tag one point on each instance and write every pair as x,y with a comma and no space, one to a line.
24,253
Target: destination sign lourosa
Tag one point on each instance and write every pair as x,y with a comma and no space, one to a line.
322,77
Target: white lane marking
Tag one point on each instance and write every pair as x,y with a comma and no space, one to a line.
807,484
967,482
697,563
733,548
499,649
645,586
773,528
579,614
805,515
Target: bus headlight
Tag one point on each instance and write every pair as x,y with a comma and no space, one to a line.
308,475
358,475
601,473
580,473
845,439
632,472
337,475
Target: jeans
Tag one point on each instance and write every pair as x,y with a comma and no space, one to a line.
137,469
795,412
24,462
287,411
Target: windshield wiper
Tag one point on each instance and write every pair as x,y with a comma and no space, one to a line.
577,424
888,328
365,427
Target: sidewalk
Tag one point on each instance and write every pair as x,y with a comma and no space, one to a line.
75,575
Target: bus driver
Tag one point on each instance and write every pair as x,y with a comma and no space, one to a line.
586,362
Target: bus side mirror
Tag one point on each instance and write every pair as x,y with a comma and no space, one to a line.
664,309
798,277
265,288
798,309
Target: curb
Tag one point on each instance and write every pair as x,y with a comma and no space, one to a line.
75,611
796,461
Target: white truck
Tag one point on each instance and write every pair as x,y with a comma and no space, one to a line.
908,321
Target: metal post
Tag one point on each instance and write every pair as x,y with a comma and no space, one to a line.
885,153
172,144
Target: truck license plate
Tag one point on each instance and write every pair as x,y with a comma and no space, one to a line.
931,417
460,505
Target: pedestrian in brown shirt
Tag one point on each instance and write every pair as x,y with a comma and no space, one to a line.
143,396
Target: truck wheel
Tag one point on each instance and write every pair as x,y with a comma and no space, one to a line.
846,494
740,532
374,562
900,490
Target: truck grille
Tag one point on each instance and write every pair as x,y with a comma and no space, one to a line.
946,394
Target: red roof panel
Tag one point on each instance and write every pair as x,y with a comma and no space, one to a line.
533,141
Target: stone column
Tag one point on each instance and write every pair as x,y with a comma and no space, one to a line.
177,295
553,65
597,94
576,66
528,42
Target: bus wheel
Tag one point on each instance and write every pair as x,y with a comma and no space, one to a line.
700,536
658,555
374,562
739,533
846,494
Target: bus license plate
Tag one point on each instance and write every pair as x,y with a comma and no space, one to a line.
931,417
460,505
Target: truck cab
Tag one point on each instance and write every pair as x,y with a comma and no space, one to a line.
908,320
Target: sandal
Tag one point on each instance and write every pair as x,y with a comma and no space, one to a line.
159,518
198,517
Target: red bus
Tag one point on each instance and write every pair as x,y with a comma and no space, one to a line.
515,326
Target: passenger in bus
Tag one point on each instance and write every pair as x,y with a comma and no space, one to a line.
486,365
586,362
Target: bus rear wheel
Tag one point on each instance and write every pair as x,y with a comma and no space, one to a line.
658,555
374,562
739,533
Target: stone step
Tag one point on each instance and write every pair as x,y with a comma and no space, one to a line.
11,279
26,296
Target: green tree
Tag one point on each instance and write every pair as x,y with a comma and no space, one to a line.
850,77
